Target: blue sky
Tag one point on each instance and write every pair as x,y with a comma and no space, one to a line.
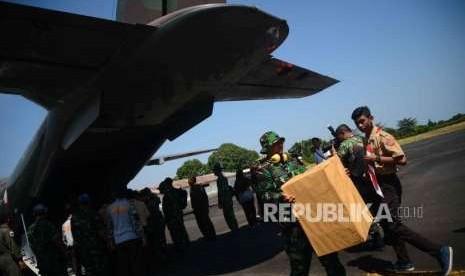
401,58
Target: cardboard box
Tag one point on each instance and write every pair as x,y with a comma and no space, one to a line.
318,191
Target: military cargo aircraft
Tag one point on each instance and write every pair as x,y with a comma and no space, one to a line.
115,92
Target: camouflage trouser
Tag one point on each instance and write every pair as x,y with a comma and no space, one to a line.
178,232
94,260
129,258
228,213
156,238
300,252
50,265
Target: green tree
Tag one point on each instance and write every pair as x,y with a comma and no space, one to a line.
457,117
422,129
392,131
389,130
406,126
192,168
232,157
431,124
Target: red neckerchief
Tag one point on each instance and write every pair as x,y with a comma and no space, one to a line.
371,168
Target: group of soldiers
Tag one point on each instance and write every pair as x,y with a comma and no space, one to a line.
131,229
125,232
242,190
371,162
128,232
201,206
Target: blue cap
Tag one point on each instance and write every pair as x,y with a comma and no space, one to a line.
39,208
84,198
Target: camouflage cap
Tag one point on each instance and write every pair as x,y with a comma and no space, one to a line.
268,139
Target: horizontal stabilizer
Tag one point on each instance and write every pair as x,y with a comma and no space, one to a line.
276,79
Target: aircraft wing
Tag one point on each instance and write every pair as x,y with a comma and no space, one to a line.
47,54
275,79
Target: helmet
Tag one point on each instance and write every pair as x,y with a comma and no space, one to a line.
268,139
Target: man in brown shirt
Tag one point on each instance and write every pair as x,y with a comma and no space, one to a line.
385,154
387,151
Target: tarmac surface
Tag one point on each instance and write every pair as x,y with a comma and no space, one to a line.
433,179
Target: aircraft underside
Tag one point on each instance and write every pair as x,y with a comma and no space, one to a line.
115,92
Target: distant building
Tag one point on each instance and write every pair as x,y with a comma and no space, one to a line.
208,180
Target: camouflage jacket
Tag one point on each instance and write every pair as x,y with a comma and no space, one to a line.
88,229
351,151
7,244
271,176
45,240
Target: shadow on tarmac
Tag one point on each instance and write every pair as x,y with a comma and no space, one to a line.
370,264
365,247
230,252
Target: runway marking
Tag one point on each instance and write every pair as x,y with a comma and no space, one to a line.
419,273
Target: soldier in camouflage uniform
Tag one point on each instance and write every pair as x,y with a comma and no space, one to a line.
272,172
352,152
173,215
155,228
10,256
89,238
201,207
225,198
47,245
